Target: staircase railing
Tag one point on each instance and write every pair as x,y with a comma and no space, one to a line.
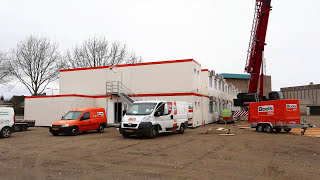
117,88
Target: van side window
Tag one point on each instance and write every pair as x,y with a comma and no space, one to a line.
85,116
167,108
160,108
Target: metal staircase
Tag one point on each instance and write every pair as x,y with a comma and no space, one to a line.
117,88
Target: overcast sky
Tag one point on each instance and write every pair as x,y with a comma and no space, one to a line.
213,32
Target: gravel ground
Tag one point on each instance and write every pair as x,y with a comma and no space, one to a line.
36,154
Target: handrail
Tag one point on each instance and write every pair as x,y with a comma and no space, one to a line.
117,87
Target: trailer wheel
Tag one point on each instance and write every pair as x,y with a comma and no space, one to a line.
260,128
269,129
287,129
5,132
278,129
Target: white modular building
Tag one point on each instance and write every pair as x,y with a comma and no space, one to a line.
116,87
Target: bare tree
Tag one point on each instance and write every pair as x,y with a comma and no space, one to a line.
35,63
99,52
5,72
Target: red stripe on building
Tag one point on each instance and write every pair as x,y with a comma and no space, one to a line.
204,69
137,64
69,95
104,96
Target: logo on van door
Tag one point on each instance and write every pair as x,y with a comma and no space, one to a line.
266,110
291,107
100,113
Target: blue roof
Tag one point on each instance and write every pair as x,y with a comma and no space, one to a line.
235,76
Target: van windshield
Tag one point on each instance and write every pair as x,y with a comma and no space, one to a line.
141,108
72,115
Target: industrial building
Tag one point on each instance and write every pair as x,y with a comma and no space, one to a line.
116,87
241,82
308,95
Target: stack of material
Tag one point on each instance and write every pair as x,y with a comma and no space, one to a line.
220,131
312,132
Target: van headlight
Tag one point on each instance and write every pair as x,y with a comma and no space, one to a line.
65,125
146,119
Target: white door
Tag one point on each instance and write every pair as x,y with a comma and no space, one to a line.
164,120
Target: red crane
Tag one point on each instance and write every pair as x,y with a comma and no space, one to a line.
254,62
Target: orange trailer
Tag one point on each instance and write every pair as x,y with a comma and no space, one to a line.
275,115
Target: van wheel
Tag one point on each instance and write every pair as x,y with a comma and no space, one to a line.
181,130
269,129
100,129
74,131
5,132
287,130
260,128
153,132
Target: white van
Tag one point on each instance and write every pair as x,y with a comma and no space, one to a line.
7,120
148,118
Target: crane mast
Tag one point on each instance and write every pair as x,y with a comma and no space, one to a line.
256,46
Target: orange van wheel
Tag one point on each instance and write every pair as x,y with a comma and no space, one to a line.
101,129
74,131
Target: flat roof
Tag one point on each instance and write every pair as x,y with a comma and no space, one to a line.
235,76
137,64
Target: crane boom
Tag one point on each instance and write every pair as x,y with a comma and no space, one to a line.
256,45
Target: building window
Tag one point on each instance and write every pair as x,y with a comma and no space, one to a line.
195,71
211,107
210,81
215,83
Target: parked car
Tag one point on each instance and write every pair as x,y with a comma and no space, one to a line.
148,118
7,120
80,120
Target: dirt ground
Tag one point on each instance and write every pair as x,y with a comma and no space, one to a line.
36,154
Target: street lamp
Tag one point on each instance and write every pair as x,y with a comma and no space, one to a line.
52,89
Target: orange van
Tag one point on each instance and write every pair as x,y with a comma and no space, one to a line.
80,120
